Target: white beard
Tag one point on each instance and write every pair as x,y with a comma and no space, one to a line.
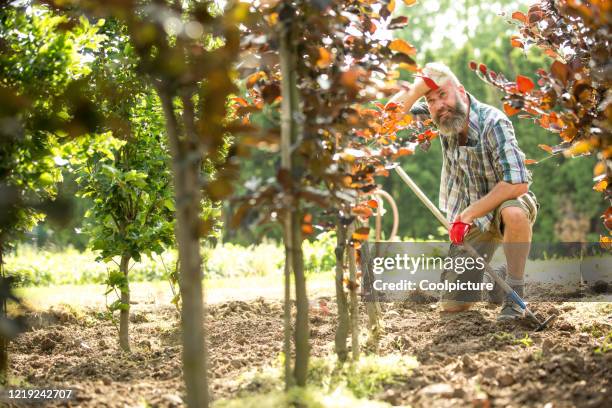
454,123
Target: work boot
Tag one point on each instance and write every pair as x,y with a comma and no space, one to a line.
497,295
510,310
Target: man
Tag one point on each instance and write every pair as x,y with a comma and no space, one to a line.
484,186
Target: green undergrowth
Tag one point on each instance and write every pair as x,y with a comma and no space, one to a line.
606,344
42,267
331,382
303,397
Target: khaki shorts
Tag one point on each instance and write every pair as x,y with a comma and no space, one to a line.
485,243
527,202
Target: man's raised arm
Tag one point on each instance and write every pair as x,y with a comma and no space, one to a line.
408,97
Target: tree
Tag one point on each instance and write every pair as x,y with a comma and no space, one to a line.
124,170
41,77
573,96
132,211
185,52
333,144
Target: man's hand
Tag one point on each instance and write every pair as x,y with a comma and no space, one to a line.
421,87
409,96
458,231
466,216
461,226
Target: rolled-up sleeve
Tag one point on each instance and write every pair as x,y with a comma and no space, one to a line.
509,159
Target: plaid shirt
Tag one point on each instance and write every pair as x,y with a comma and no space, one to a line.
491,155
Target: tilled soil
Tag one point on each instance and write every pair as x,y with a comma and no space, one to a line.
466,359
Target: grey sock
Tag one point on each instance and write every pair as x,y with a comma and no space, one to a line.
517,284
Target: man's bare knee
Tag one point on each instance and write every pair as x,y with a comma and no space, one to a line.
514,217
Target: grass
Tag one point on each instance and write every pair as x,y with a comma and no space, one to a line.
35,267
364,379
606,344
309,397
510,338
215,289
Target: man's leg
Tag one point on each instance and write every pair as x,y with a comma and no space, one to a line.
517,241
515,222
485,244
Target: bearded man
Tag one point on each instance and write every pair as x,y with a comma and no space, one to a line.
484,186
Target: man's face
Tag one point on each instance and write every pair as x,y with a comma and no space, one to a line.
448,108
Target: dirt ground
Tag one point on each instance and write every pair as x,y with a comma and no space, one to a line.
466,359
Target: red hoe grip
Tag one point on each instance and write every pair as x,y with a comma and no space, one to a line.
458,231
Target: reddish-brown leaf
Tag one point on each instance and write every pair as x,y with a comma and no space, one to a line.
601,186
510,110
517,15
560,71
253,78
373,203
599,169
524,84
362,211
307,229
516,42
361,234
546,148
403,151
473,65
325,58
607,217
241,101
483,69
403,47
398,22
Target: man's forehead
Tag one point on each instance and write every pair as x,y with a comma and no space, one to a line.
441,88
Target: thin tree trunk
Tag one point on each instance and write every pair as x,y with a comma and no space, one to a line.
292,222
372,304
3,339
289,380
302,332
124,313
354,303
343,312
187,203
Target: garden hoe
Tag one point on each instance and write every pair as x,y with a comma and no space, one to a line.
501,282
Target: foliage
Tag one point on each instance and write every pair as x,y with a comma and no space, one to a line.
34,267
42,73
573,98
556,182
606,344
129,184
319,254
352,138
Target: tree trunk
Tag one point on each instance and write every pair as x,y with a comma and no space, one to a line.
3,339
124,313
354,302
289,379
290,129
302,332
372,304
187,202
343,312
